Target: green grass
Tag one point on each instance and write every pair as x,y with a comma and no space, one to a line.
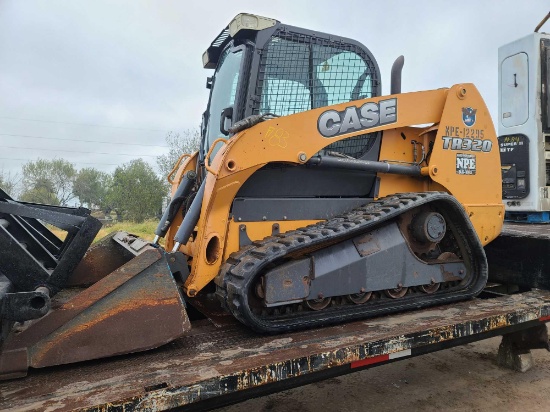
145,230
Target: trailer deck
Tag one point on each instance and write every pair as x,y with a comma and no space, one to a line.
222,362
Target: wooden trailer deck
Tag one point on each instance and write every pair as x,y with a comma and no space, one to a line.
223,362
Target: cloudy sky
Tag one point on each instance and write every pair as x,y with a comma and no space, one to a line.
77,74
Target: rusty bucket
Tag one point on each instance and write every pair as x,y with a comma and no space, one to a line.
132,303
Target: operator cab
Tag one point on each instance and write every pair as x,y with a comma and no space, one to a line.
263,67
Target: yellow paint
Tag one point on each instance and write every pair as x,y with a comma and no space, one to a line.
395,148
283,140
487,220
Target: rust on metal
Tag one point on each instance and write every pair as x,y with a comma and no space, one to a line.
448,276
405,223
367,244
101,259
104,257
526,230
212,361
138,306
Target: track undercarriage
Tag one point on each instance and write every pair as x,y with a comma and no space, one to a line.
401,252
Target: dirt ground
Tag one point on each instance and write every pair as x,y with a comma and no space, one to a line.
465,378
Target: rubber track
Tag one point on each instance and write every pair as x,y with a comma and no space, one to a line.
238,272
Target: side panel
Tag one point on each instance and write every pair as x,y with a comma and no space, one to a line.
466,161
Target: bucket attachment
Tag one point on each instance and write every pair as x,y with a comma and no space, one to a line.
137,306
57,307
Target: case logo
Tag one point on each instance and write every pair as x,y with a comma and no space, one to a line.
333,123
469,116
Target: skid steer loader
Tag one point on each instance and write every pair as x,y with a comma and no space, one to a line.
312,200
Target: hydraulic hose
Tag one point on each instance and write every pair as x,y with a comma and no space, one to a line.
190,220
174,206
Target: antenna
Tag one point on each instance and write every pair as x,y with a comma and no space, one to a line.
542,22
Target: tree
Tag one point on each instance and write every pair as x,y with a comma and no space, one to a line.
42,191
136,191
91,186
9,183
185,143
45,180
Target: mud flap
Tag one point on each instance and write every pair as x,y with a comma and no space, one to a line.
136,307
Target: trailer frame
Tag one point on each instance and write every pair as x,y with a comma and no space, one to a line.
222,362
